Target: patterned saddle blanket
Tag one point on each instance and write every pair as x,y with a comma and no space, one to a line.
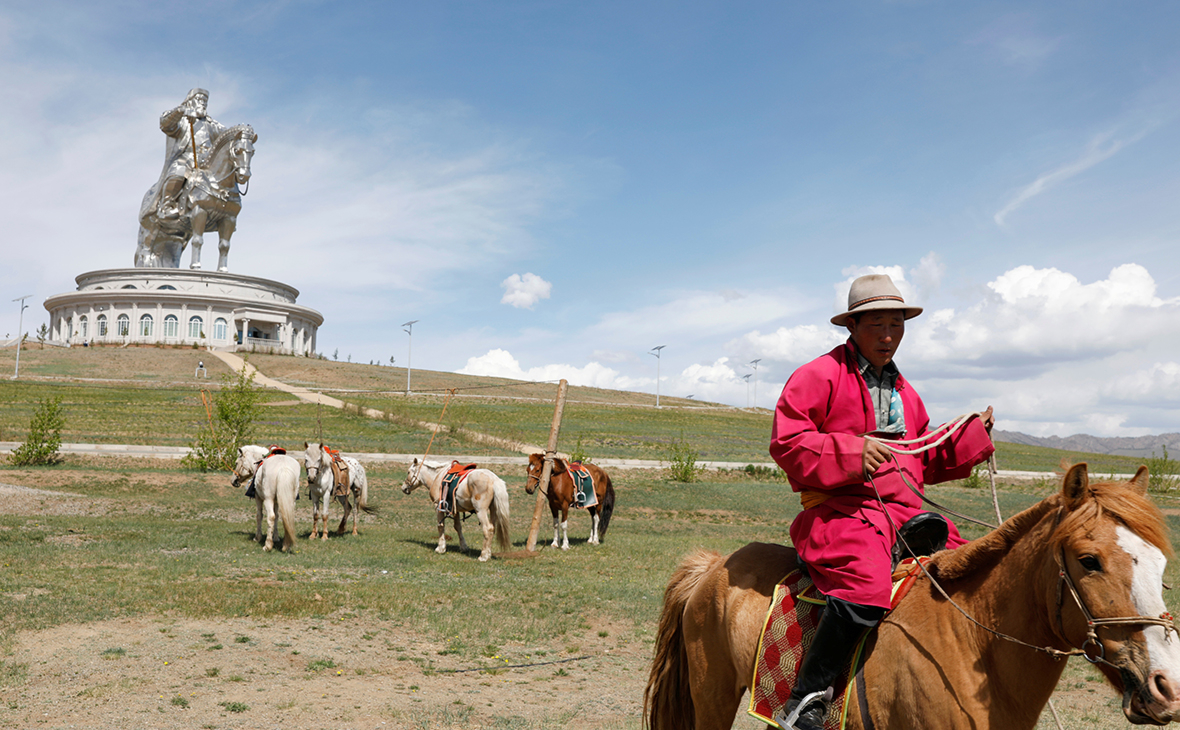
450,482
584,495
789,629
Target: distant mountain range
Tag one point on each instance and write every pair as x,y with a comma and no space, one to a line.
1143,446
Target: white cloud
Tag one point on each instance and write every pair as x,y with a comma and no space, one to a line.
695,315
525,291
501,364
795,345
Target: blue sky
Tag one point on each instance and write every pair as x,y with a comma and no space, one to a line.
553,189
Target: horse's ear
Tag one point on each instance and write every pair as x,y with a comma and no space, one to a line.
1076,485
558,465
1140,481
305,445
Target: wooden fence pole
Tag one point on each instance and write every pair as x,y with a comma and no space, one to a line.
547,469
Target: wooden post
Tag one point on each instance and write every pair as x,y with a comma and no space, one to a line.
547,469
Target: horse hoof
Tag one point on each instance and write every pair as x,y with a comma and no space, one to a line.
440,550
267,548
484,558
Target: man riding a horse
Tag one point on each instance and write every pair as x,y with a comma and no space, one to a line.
190,132
829,425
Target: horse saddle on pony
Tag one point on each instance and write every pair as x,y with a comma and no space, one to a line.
787,633
450,482
273,449
584,495
340,478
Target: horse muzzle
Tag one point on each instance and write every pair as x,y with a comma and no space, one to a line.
1155,702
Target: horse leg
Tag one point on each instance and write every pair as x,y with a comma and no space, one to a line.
556,523
565,527
258,519
224,230
593,525
270,525
356,498
343,520
198,237
485,523
442,534
459,530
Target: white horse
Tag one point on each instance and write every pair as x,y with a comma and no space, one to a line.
481,492
276,484
322,482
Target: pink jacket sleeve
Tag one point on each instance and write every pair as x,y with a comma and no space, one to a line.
811,458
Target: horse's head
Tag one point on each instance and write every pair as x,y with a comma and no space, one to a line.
246,464
1111,547
313,461
242,152
230,156
535,465
413,477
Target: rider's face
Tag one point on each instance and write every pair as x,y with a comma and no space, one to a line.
198,105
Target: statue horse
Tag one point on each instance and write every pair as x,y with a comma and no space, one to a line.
211,199
481,492
1080,573
561,496
276,483
322,485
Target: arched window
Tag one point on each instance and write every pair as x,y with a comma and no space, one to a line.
145,325
123,325
171,326
129,286
167,286
196,328
219,329
83,327
102,325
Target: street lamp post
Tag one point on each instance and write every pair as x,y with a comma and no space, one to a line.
409,351
755,364
656,351
20,331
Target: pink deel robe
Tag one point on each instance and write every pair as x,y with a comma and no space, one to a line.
821,417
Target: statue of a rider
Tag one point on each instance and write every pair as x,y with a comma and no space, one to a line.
167,212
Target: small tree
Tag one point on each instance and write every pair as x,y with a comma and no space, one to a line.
43,334
683,461
1161,472
44,439
235,410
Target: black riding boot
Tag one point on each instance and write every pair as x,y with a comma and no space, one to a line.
923,534
840,628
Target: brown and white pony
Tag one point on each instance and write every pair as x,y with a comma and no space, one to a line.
1093,550
322,483
481,492
561,496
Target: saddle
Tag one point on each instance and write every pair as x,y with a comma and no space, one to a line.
340,477
450,482
787,633
584,495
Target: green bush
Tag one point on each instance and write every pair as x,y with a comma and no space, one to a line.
578,453
683,461
976,479
235,410
1162,472
44,439
763,473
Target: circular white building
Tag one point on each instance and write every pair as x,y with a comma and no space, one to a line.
165,306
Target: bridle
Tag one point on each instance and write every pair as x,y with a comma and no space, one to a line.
1091,649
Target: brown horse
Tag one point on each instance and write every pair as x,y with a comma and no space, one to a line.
1093,550
561,496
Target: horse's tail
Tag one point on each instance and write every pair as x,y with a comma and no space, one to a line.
499,512
362,500
667,700
607,508
285,502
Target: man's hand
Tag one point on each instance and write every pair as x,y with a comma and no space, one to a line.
873,455
989,420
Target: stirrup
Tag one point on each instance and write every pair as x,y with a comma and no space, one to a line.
786,721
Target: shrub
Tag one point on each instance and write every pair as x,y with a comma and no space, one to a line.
975,480
235,410
764,472
44,439
578,453
1162,472
683,461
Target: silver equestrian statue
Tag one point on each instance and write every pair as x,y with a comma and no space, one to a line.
206,173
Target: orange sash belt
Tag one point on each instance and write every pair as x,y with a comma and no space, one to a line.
812,498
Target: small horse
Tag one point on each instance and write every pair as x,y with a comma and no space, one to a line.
1081,572
561,496
276,484
211,198
321,482
481,492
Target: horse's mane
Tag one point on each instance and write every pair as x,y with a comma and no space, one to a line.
433,464
1119,500
231,134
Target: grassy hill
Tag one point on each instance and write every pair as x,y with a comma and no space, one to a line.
150,396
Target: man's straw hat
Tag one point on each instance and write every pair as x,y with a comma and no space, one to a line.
874,292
